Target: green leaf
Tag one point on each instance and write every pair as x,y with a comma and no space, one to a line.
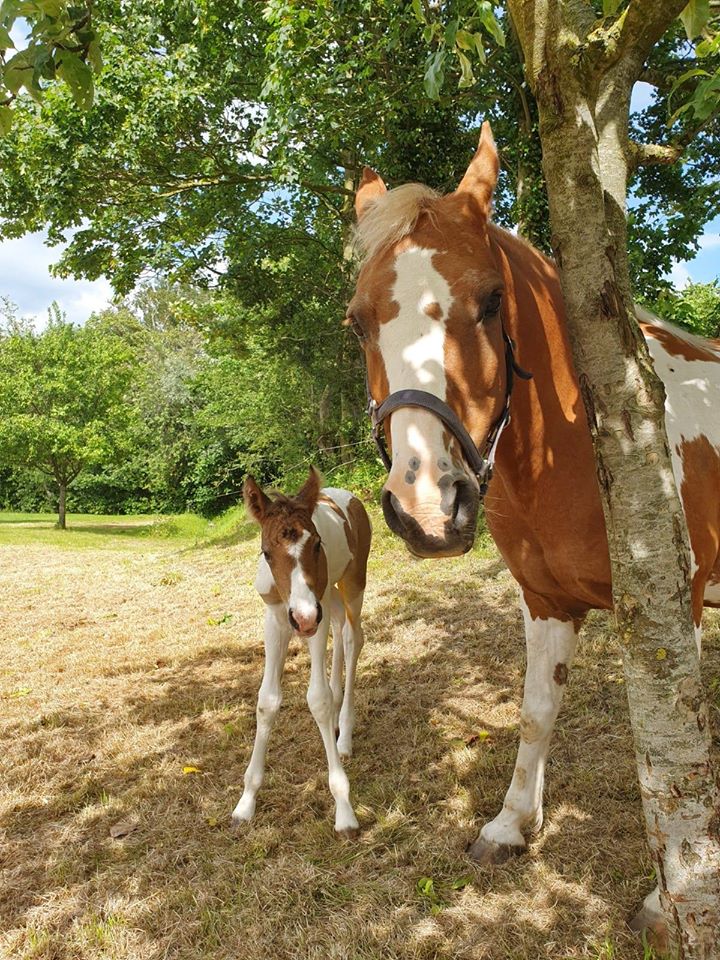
418,10
19,70
450,31
78,77
487,18
479,47
461,882
610,6
94,56
465,40
6,41
468,77
6,119
694,17
435,74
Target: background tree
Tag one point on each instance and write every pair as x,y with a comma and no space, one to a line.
61,44
62,400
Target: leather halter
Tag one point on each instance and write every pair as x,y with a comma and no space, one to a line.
480,460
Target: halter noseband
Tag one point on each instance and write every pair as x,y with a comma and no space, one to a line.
480,461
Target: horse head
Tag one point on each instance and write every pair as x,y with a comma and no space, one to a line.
428,312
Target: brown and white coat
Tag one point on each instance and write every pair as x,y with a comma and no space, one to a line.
438,286
311,575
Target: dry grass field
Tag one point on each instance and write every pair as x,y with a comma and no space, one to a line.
129,657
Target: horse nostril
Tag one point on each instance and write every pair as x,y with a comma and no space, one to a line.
393,512
465,505
319,613
293,622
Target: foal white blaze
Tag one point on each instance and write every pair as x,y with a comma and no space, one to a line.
310,542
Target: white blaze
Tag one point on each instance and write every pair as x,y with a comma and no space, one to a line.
413,343
413,350
302,599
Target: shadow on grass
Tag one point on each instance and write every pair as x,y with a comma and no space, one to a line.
284,887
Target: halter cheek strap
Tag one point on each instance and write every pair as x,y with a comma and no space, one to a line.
480,460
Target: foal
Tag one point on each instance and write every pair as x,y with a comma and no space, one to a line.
310,543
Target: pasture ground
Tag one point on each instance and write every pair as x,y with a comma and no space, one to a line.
130,659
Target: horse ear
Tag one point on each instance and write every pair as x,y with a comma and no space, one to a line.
481,176
371,187
256,500
310,490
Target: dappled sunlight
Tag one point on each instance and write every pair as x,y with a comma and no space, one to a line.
125,667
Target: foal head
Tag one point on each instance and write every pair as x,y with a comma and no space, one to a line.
293,550
427,312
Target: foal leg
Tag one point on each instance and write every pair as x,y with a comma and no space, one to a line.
337,618
353,640
277,637
319,698
550,647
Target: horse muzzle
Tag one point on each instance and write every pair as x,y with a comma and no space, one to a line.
449,533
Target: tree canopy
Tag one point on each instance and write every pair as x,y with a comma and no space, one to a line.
217,160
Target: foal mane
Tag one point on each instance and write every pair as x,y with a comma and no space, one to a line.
392,216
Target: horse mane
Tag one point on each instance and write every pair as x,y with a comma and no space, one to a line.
392,216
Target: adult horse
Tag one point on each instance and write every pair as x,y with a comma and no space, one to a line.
449,309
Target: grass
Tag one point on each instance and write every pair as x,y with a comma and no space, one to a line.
131,649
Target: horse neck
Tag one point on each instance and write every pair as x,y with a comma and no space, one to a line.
547,411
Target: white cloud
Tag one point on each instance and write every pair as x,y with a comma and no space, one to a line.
680,276
710,241
25,278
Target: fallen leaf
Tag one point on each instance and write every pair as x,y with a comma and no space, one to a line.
216,622
212,821
661,654
122,828
190,769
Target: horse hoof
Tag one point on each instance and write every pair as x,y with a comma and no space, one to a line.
654,927
486,853
348,833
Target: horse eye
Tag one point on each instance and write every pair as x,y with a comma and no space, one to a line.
266,554
355,326
492,305
317,546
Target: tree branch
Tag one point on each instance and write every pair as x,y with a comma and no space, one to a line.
651,154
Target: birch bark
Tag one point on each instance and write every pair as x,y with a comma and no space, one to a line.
582,72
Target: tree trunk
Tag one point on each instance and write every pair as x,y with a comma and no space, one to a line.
583,119
62,497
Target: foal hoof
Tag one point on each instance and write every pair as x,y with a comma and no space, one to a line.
654,926
348,833
486,853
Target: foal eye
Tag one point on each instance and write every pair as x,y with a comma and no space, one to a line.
317,546
492,305
266,554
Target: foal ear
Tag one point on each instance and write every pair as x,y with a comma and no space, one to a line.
256,500
371,187
310,492
481,176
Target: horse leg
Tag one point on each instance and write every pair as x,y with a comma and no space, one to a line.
337,618
550,647
277,637
319,698
353,640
